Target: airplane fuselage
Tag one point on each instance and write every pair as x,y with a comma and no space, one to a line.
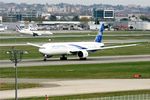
68,47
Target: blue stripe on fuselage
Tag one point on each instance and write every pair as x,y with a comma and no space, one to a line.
79,47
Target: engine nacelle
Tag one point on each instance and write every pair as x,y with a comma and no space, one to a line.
83,54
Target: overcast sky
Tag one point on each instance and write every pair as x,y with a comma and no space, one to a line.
85,2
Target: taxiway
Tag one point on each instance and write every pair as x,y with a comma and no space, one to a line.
79,86
75,60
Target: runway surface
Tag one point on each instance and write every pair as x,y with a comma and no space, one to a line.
90,60
78,86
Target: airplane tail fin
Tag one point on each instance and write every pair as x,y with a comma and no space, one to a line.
99,36
18,28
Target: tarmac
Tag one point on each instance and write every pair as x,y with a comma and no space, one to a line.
75,60
78,86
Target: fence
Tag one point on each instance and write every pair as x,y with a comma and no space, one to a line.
124,97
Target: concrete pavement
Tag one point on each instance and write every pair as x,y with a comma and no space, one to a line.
72,87
75,60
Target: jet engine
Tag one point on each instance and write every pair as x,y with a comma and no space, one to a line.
82,54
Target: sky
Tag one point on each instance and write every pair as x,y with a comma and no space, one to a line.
84,2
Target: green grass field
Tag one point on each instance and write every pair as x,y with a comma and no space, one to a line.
83,71
10,86
68,39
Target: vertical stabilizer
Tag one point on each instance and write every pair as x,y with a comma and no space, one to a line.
18,28
99,36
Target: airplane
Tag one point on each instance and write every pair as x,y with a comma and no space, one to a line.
30,31
81,49
2,28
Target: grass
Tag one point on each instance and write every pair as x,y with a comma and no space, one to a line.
68,39
83,71
10,86
33,52
93,95
143,48
39,39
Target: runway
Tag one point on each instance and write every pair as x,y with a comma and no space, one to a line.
75,60
78,86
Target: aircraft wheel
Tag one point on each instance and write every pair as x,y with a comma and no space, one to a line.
63,58
44,59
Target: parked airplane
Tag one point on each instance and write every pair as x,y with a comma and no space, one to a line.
31,31
2,28
81,49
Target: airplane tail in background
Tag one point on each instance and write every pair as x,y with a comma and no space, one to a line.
99,36
18,28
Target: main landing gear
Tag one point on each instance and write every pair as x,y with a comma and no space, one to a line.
63,57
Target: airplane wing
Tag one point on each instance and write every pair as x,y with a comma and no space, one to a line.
79,48
119,46
35,45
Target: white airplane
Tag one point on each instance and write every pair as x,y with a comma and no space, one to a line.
31,31
81,49
2,28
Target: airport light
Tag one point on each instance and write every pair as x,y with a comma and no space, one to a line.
15,56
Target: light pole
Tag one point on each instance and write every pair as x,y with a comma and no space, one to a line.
15,57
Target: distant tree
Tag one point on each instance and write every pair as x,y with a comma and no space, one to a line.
84,20
124,19
38,19
119,7
96,21
145,18
53,18
29,19
75,18
63,18
133,15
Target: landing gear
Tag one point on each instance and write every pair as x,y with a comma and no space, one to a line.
45,58
63,57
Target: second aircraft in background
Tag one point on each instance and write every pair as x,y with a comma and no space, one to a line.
31,31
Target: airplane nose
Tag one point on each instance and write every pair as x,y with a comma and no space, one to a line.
41,50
